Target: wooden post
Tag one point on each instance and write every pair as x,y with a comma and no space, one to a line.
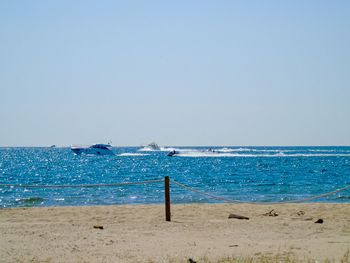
167,198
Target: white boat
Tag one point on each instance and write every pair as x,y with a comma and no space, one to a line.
96,149
151,147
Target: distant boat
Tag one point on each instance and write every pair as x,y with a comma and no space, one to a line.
172,153
96,149
151,147
53,146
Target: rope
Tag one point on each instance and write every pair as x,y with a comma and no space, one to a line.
200,192
267,203
81,185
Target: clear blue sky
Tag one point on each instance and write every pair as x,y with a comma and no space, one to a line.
175,72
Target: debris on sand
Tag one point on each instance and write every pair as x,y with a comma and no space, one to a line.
238,216
271,213
319,221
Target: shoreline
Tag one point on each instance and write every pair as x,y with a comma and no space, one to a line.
139,233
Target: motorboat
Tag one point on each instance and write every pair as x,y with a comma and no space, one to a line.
96,149
172,153
153,146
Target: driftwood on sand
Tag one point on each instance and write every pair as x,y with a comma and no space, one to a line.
238,216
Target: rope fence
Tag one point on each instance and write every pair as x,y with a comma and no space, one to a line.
264,203
80,185
167,181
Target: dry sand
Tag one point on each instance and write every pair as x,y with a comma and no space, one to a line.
138,233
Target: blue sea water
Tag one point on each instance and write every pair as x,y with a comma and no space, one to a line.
258,174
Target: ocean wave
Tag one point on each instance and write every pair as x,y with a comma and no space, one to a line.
30,200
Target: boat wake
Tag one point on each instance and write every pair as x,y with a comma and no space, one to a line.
280,154
161,149
132,154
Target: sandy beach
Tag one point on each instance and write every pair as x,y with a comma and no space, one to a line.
139,233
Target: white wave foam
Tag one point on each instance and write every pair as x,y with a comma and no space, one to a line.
132,154
279,154
206,154
168,149
266,150
250,152
227,150
244,149
256,150
318,155
147,149
161,149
